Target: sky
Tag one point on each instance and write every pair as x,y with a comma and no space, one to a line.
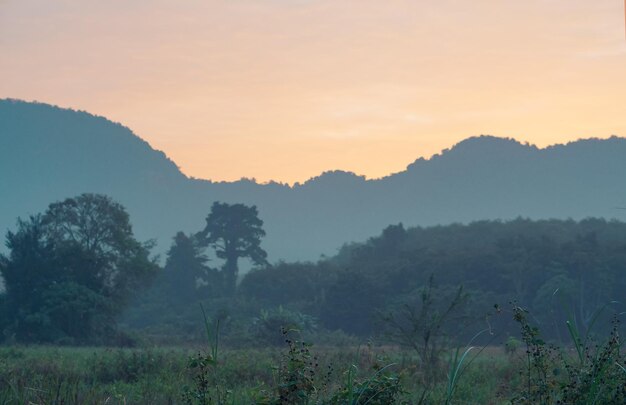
286,89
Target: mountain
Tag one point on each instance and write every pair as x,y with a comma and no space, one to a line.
48,153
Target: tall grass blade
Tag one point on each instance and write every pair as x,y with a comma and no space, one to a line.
213,341
458,365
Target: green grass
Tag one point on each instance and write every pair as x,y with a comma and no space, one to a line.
62,375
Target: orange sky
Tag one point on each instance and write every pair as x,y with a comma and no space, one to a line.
285,89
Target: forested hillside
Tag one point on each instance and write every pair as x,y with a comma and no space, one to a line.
557,269
48,153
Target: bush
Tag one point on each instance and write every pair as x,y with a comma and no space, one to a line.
269,326
511,345
594,374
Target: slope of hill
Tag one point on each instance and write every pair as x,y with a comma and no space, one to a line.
48,153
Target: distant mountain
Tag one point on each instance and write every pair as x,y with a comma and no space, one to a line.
48,153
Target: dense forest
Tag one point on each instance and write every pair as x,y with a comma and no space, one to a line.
76,271
557,269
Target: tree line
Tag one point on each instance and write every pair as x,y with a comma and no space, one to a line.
72,270
75,271
558,269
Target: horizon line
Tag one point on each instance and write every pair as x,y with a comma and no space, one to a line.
364,177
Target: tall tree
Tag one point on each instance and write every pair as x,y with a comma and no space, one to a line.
234,231
27,272
72,270
186,274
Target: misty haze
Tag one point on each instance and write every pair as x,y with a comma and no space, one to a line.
312,202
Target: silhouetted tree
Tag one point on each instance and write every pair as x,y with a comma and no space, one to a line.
234,231
186,277
27,272
71,270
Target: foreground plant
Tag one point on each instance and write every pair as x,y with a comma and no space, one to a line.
300,381
381,388
424,326
593,375
207,388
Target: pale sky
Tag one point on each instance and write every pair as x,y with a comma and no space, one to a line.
286,89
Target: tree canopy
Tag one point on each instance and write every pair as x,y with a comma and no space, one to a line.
186,276
234,231
556,268
71,271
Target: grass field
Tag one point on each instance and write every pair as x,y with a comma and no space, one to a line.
527,371
60,375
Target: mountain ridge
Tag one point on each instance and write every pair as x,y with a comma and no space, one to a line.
48,153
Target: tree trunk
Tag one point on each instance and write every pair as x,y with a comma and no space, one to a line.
230,274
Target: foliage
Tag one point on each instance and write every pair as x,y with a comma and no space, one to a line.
425,326
269,325
207,389
301,381
495,261
296,374
186,278
49,375
71,270
234,231
145,376
344,307
303,285
379,389
594,374
511,345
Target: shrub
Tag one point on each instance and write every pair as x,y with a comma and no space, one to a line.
511,345
594,374
269,326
